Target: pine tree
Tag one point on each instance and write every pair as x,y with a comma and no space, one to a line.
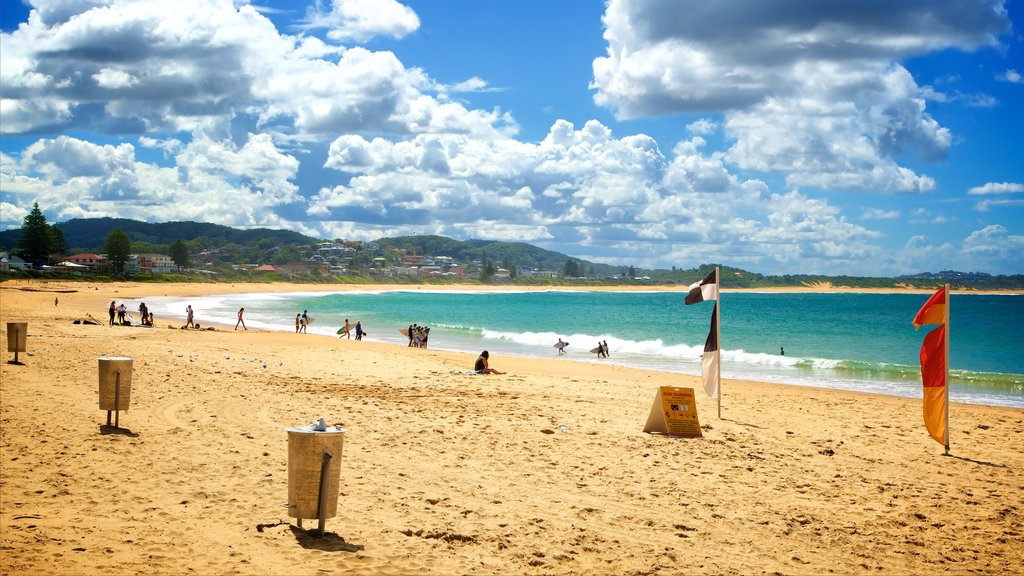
118,249
36,241
179,253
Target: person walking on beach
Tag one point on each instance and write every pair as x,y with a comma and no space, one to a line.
305,321
604,348
348,330
189,320
112,311
411,333
561,346
240,321
600,350
482,366
359,330
298,322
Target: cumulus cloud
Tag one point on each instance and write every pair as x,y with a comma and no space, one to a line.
879,214
361,20
997,188
211,181
587,187
1012,76
824,82
147,66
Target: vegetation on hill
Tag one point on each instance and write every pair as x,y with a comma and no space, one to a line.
187,240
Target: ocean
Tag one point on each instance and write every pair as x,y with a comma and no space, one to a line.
851,341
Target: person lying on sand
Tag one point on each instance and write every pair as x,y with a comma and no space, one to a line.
481,366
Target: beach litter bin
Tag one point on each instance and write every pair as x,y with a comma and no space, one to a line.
115,386
17,338
314,472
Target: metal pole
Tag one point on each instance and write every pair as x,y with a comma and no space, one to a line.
321,511
117,399
946,360
718,337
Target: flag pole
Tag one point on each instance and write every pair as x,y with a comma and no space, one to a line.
718,338
946,367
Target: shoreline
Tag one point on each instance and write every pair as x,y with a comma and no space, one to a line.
447,473
139,291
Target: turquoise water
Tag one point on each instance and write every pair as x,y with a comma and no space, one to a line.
851,341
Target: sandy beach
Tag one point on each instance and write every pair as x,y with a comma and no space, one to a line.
543,470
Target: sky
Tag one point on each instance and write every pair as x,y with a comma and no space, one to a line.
860,137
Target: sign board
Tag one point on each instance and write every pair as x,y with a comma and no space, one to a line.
674,413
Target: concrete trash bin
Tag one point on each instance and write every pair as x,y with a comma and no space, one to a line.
17,336
115,392
305,458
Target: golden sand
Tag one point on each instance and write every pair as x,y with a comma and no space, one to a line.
447,473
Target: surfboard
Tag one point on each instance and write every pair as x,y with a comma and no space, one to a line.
561,344
404,331
309,320
595,350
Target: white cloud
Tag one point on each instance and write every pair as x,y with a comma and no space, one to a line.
212,181
996,188
196,65
702,127
1012,75
113,79
806,89
879,214
361,20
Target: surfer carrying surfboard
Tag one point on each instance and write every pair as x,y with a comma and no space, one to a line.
561,346
345,331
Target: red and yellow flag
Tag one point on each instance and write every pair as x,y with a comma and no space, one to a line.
933,365
933,377
933,311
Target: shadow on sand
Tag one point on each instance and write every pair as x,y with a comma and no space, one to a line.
118,430
329,542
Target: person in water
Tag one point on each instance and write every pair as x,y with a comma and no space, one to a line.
482,367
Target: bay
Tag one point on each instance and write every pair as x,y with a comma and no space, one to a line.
854,341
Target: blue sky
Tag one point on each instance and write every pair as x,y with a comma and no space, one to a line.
794,136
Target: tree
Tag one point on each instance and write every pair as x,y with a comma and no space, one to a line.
179,253
572,269
487,270
58,244
118,249
632,273
509,265
36,240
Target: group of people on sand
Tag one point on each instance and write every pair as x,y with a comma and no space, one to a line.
418,336
119,315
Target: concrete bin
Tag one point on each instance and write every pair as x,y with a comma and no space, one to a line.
305,458
115,395
17,337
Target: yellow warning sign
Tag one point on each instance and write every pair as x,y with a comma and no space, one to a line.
674,413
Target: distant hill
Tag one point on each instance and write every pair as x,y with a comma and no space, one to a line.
90,234
520,253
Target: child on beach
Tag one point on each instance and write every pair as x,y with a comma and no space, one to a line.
298,321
